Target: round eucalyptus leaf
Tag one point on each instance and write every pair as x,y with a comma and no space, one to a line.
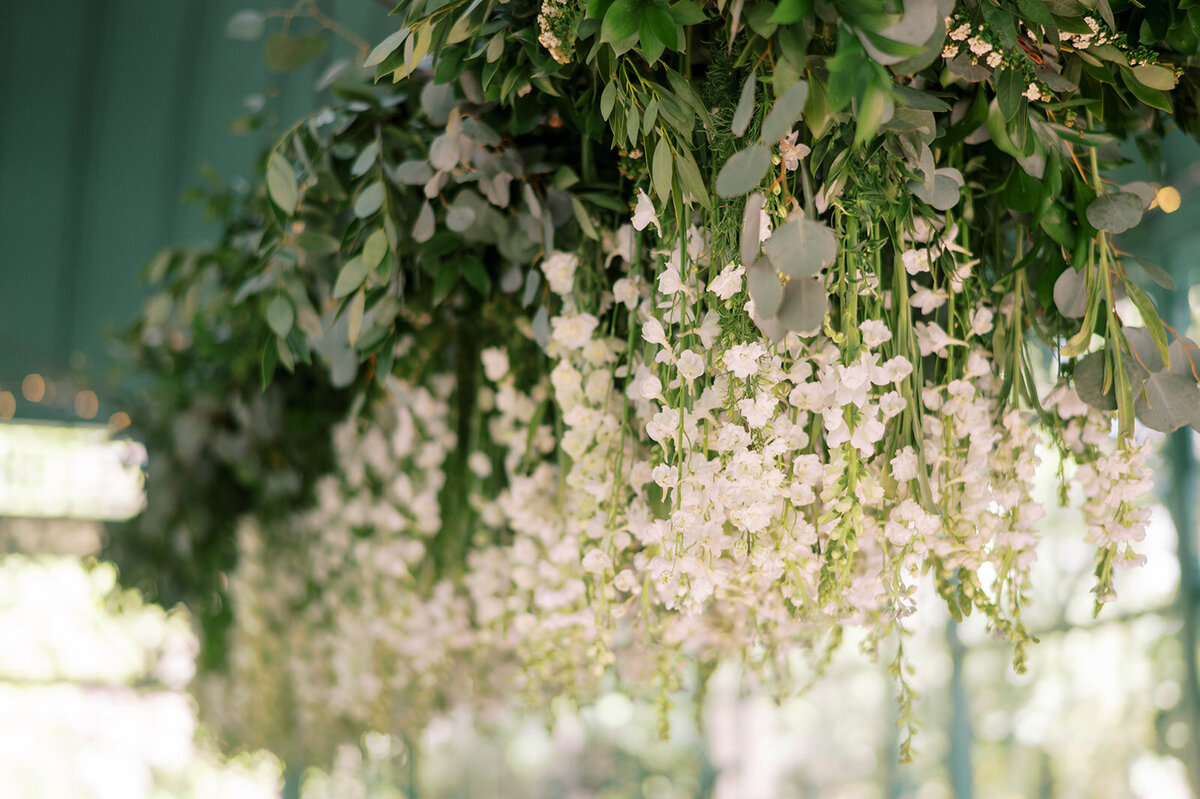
1148,358
1184,355
1142,189
1167,401
944,193
1070,293
804,304
917,25
751,225
762,280
772,328
743,171
1116,212
437,100
1089,382
801,247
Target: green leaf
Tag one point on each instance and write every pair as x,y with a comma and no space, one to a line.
762,281
1156,273
745,106
662,24
386,48
1150,319
785,113
689,175
620,21
351,276
801,247
366,159
285,52
662,171
447,276
918,100
608,99
1155,77
1147,95
1090,382
652,49
317,243
1035,11
743,171
790,11
804,304
413,173
285,355
374,249
685,12
476,275
369,200
281,183
1115,212
1010,88
245,25
424,227
280,315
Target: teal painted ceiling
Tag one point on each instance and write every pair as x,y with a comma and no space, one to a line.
109,111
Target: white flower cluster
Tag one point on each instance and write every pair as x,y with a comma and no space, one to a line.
682,488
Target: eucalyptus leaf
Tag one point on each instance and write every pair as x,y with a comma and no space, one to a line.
745,107
351,277
804,304
765,287
751,227
413,173
785,113
459,218
1089,382
1070,293
1167,401
1116,212
743,171
801,247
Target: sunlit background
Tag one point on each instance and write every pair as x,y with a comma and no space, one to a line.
100,143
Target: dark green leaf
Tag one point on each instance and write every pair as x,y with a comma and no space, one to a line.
685,12
317,243
447,276
791,11
620,21
270,358
1010,88
662,24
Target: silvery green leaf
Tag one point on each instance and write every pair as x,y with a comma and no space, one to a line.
751,225
443,152
762,281
1142,189
1089,382
1115,213
785,113
366,160
1148,357
281,182
1167,401
351,276
280,315
1156,273
424,227
743,171
804,304
745,107
1185,357
801,247
413,173
459,218
1070,293
945,191
438,100
369,200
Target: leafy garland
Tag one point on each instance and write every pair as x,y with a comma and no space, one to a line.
712,327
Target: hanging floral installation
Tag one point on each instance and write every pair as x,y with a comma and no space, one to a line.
645,335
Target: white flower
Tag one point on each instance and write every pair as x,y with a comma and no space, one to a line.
495,363
625,292
875,332
652,331
758,411
892,404
926,300
649,387
690,364
710,328
904,465
915,261
981,321
559,269
479,464
729,282
742,359
574,331
790,152
643,214
596,561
